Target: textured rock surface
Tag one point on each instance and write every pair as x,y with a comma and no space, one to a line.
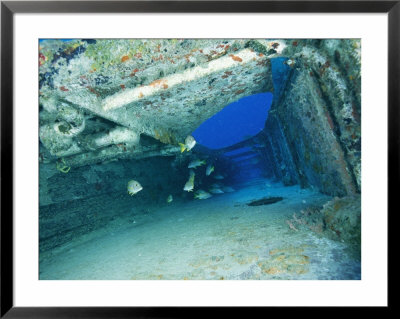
161,88
314,128
338,219
98,97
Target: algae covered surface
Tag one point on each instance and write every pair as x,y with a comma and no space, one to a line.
200,159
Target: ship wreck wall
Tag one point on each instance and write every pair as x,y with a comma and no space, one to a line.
284,166
316,119
102,190
312,136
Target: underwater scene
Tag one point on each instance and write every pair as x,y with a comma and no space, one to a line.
200,159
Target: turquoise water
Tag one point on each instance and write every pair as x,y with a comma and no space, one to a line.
90,228
218,238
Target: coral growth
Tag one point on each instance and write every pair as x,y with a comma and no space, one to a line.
286,260
62,166
338,219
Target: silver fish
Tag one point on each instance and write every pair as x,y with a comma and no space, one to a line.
218,176
134,187
190,183
228,189
200,194
209,169
190,142
215,190
196,163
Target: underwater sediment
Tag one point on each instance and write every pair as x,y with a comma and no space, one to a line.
115,110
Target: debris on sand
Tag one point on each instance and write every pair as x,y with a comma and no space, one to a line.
264,201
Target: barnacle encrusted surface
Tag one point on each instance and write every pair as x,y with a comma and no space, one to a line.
100,97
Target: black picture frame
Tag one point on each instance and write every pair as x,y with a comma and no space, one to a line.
9,8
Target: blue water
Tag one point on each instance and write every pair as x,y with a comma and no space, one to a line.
238,121
244,118
238,151
217,238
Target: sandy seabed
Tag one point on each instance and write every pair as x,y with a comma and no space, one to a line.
216,238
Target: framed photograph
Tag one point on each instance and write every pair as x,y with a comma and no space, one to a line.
164,155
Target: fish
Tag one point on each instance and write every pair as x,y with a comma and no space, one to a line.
170,198
290,63
215,190
196,163
228,189
255,161
190,142
134,187
209,169
258,146
200,194
218,176
190,183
